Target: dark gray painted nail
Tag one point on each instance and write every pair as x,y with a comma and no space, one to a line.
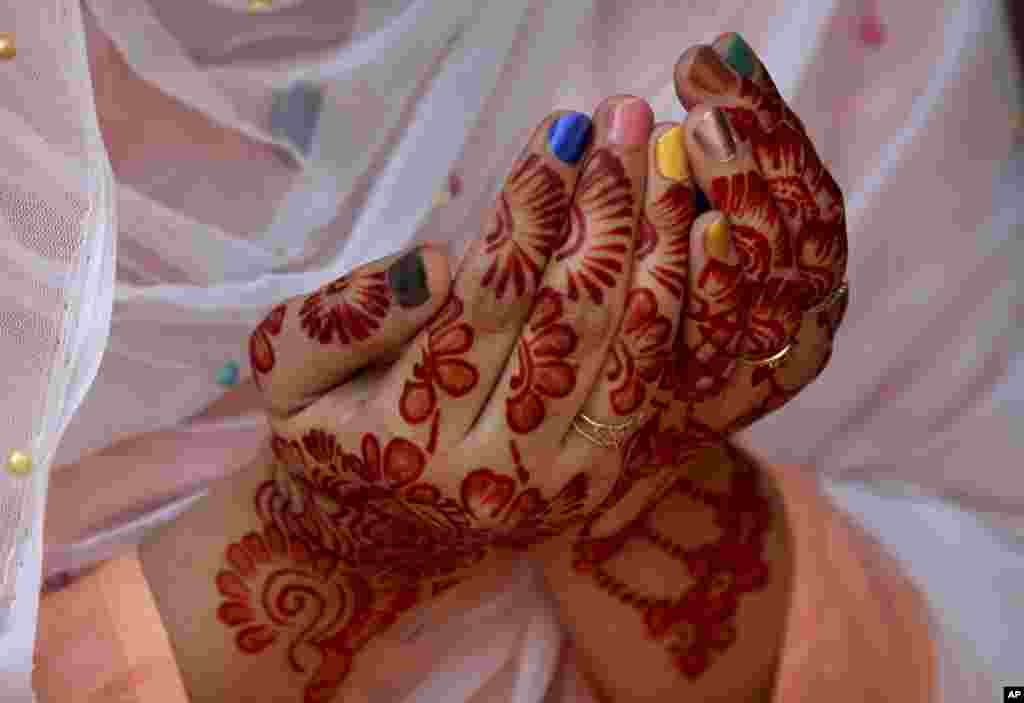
408,279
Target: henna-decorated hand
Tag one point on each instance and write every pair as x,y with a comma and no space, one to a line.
456,449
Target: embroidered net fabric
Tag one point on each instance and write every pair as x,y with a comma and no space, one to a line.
171,170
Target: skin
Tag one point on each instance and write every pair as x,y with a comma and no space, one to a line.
389,487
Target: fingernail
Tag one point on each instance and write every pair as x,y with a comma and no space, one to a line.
568,136
717,240
714,136
408,279
740,56
671,155
703,204
710,75
631,124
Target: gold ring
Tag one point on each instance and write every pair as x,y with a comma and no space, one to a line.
832,298
604,435
772,361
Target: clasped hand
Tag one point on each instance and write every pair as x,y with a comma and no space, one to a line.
595,297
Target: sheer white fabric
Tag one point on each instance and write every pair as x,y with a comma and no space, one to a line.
277,150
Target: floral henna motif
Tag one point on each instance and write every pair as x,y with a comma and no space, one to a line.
642,353
348,309
541,368
526,227
449,338
261,350
606,194
775,308
805,191
698,624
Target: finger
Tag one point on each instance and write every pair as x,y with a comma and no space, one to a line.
313,343
580,303
724,166
808,197
716,311
641,355
735,51
444,379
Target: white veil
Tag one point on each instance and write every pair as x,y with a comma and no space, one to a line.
320,157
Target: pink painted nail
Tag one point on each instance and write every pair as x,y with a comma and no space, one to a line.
632,122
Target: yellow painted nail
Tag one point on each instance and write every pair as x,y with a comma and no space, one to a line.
716,240
19,463
671,156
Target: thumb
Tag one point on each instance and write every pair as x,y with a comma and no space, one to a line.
313,343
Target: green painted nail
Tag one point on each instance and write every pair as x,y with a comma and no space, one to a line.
740,56
408,279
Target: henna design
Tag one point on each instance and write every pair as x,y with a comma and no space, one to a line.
349,309
805,191
705,354
279,588
541,368
663,442
526,227
775,303
261,350
449,338
697,625
641,354
606,194
666,224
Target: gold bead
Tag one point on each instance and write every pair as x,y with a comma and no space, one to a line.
7,47
19,463
259,6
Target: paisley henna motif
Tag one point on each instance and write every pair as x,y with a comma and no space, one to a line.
261,349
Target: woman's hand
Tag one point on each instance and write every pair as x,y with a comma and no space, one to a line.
471,438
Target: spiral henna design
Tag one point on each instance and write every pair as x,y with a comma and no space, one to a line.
363,538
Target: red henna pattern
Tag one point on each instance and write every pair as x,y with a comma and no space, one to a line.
261,350
659,444
697,625
641,354
808,196
347,310
665,229
541,368
705,354
605,196
449,338
280,589
763,243
526,227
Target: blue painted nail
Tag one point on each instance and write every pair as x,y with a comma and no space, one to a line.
740,56
703,205
569,135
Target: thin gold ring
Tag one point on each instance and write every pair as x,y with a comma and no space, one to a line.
604,435
772,361
777,359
